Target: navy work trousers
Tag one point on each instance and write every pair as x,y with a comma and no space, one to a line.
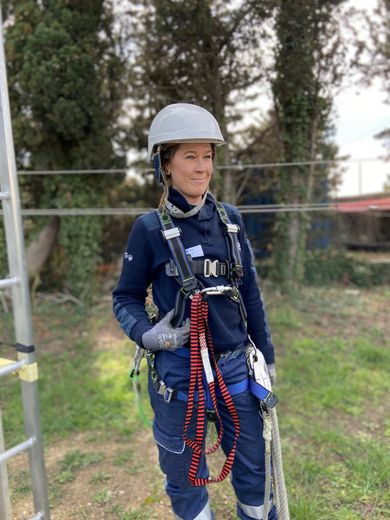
248,472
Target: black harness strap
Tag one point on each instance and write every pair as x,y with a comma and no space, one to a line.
205,267
171,235
233,245
186,278
184,272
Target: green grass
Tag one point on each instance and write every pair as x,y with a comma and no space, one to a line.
333,389
19,484
81,388
333,363
100,477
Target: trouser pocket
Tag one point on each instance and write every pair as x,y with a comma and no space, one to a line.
173,455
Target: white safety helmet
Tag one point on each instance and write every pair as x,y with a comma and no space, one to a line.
182,123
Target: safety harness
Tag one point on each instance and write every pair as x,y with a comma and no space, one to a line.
184,268
201,401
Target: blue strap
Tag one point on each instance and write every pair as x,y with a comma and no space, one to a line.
268,398
157,167
237,388
257,390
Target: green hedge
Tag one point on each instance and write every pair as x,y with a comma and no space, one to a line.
336,266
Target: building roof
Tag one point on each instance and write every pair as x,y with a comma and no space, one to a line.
363,203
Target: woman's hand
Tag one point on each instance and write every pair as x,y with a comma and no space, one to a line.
165,337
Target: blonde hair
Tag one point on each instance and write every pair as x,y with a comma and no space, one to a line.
166,154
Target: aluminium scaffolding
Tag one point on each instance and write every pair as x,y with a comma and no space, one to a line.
25,365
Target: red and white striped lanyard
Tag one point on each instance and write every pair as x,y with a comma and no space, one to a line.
202,357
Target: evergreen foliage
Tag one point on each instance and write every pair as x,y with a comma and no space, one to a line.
309,63
66,81
197,52
68,76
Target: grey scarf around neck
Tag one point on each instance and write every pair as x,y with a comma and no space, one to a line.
174,211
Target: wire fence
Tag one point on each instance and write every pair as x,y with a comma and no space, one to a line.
246,209
355,174
360,221
355,224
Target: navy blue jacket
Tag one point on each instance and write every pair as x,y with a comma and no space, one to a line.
144,263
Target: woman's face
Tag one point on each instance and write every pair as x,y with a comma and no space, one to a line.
190,170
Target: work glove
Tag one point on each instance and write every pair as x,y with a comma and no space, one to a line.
165,337
272,373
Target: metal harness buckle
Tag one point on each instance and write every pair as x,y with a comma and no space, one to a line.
210,268
271,400
165,391
167,395
168,234
232,228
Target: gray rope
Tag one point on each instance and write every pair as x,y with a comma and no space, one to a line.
267,435
280,491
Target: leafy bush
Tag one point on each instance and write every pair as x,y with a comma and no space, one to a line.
336,266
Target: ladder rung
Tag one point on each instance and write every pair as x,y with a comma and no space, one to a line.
19,448
9,367
9,282
4,195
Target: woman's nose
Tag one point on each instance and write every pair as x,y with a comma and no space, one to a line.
200,165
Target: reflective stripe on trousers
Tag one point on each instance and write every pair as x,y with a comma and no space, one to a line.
255,512
205,514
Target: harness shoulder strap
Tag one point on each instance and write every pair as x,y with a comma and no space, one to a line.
189,283
171,235
234,249
232,231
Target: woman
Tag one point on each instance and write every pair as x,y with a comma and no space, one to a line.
193,248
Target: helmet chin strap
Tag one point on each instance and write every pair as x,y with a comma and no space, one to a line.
158,173
174,211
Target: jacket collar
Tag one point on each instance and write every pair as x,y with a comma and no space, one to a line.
206,212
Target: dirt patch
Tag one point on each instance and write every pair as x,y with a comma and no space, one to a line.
95,477
117,481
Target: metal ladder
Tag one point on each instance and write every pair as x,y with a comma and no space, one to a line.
25,365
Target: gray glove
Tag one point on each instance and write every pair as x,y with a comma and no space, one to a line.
272,373
165,337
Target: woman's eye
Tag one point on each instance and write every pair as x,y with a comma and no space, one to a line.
190,157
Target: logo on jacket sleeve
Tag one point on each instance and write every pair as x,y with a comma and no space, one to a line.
128,256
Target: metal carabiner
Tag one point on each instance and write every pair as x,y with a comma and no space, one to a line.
216,291
139,354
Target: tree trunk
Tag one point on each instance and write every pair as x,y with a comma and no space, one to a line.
39,249
296,233
229,193
312,167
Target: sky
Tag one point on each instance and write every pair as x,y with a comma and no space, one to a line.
360,116
361,113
